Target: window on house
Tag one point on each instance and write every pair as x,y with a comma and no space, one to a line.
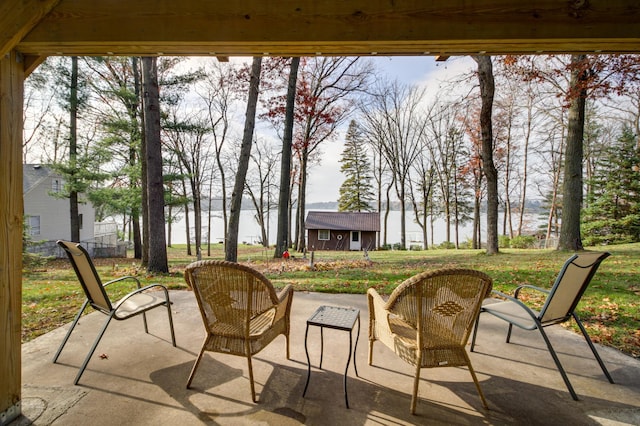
34,225
56,185
323,235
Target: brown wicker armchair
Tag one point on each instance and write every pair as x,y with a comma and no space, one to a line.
428,319
240,309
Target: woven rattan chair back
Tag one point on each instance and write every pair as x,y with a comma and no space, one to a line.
442,303
230,295
240,310
428,319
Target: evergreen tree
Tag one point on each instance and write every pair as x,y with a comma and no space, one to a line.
356,192
613,215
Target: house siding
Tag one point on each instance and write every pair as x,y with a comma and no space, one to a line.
54,213
367,240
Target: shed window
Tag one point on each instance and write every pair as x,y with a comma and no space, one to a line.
324,235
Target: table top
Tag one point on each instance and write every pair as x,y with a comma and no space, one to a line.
334,317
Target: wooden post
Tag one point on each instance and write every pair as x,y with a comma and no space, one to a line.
11,220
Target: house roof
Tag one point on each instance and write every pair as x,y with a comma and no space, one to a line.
32,175
343,221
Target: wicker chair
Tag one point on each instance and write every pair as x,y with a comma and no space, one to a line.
559,307
428,319
240,309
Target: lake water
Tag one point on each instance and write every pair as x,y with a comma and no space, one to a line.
250,231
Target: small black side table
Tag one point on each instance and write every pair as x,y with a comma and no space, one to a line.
339,319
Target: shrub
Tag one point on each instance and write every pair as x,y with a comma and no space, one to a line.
415,247
523,241
447,245
504,241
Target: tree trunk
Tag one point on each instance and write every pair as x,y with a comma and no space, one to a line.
572,185
302,189
74,216
282,238
197,215
525,164
387,210
487,88
231,243
157,242
138,234
209,214
403,218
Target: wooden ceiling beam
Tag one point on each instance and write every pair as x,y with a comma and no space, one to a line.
18,17
335,27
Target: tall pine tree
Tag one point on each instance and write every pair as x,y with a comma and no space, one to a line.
356,192
613,215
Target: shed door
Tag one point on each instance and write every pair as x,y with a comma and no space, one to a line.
355,240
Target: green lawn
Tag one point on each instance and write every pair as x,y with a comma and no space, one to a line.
610,307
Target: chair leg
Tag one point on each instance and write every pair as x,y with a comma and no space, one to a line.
287,337
371,351
593,348
558,364
416,382
509,333
173,334
73,325
253,389
475,332
475,380
195,365
93,348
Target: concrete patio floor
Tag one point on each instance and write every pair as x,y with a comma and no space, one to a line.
140,378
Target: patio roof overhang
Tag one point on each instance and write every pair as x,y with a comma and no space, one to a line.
31,30
306,27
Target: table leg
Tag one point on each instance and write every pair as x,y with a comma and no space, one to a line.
306,350
346,370
321,346
355,348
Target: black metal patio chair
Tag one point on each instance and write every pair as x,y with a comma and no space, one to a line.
559,307
135,303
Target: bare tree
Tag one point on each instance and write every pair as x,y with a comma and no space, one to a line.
324,100
188,139
444,141
394,120
487,88
218,90
284,194
231,238
259,184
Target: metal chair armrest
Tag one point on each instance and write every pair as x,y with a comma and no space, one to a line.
518,302
143,289
528,286
128,277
